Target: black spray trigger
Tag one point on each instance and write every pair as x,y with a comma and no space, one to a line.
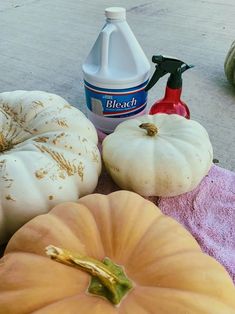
166,65
185,67
158,73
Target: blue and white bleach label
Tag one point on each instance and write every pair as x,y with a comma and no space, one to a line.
118,103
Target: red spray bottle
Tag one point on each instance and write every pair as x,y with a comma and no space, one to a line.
171,103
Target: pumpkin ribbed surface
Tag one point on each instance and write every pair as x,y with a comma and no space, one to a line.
48,154
170,274
158,155
229,64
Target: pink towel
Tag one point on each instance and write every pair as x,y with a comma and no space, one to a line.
208,212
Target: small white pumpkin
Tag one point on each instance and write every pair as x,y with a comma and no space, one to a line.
48,154
158,155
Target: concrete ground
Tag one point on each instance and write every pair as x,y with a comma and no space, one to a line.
43,44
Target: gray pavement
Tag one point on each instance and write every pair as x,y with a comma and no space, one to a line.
43,44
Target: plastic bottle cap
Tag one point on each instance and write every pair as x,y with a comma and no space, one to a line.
115,13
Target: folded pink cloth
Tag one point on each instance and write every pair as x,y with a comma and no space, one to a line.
208,212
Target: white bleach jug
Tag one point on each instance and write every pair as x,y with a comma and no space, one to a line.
115,72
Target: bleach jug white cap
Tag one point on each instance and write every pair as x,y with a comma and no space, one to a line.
115,72
115,13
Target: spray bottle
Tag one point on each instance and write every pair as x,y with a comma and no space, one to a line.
171,103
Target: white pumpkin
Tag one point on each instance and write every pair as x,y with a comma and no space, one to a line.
48,154
158,155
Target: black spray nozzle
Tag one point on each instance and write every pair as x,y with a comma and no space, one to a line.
166,65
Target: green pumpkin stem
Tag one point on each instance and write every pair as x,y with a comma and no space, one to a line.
151,128
108,280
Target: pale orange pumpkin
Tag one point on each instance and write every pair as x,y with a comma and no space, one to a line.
167,270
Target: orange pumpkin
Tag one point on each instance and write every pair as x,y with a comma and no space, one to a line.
166,269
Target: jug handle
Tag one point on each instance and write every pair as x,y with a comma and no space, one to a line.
105,39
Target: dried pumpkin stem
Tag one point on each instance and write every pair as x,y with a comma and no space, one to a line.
108,279
150,128
4,144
